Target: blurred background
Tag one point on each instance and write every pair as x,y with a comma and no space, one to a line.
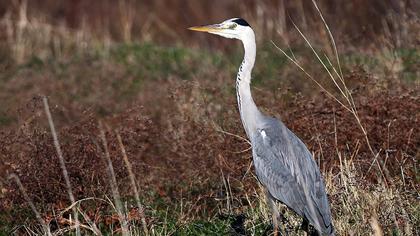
131,69
365,24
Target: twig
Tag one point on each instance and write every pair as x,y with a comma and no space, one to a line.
234,135
113,181
31,204
62,162
133,184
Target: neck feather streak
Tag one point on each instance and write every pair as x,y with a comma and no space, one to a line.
247,108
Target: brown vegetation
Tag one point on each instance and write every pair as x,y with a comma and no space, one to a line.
184,157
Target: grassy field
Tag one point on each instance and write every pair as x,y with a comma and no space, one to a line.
150,135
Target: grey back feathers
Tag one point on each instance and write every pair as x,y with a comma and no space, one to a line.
286,168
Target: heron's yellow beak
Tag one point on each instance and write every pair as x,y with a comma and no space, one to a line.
207,28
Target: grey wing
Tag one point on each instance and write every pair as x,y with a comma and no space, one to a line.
286,168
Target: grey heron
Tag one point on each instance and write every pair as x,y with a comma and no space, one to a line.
283,164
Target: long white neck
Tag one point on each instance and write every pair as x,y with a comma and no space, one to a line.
247,108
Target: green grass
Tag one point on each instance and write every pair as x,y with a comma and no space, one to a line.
157,62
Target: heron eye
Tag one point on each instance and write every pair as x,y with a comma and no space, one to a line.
233,26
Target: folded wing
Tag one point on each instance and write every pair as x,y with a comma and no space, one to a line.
286,168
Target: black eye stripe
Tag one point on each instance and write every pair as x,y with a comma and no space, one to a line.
241,21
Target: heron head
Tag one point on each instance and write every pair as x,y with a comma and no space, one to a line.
235,28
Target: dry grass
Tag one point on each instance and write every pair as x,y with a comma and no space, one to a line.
197,172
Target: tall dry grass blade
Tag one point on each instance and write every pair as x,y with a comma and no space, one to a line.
344,91
113,181
347,93
334,46
320,60
133,184
31,204
310,76
62,162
